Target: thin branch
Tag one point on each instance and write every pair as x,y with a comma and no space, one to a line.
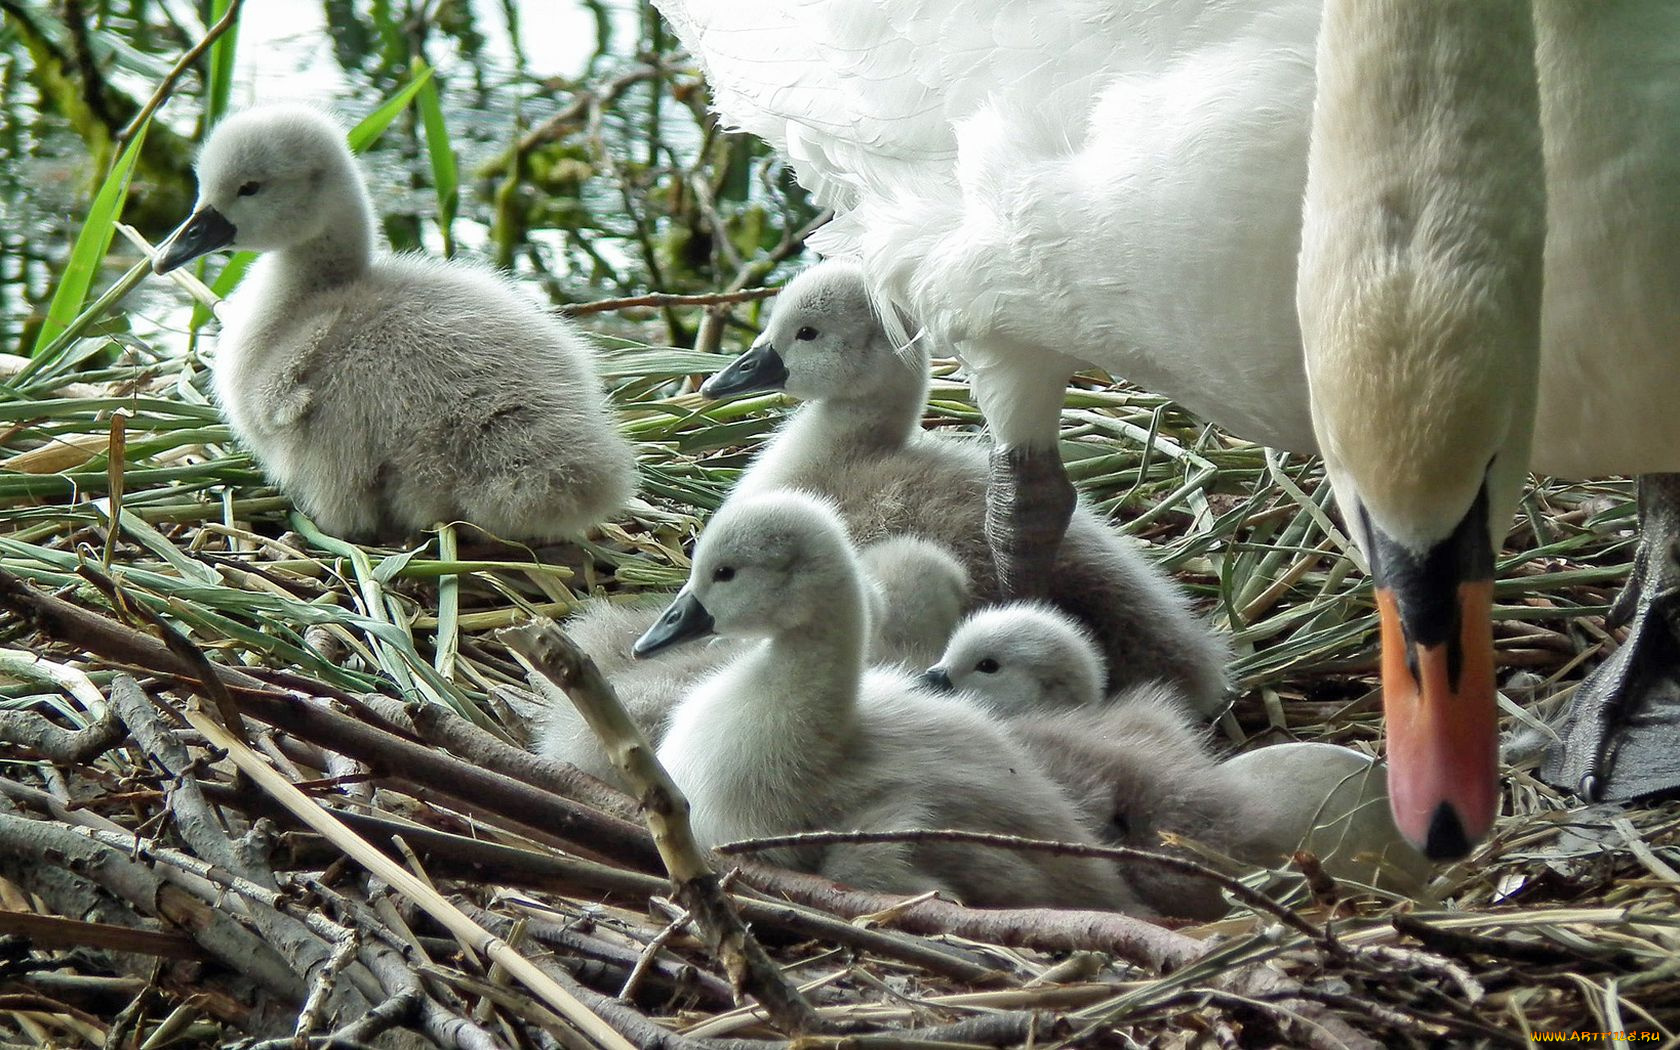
57,744
320,722
569,118
434,904
664,299
1251,897
52,931
52,844
167,85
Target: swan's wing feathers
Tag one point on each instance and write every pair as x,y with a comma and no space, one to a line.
864,96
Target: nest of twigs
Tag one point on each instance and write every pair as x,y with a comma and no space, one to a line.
267,788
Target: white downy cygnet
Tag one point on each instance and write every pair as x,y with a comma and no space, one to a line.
1024,657
385,393
1136,768
794,735
857,440
916,592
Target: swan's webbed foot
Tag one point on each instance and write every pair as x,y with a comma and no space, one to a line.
1029,503
1620,738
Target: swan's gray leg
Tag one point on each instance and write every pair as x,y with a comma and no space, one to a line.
1029,499
1029,502
1620,738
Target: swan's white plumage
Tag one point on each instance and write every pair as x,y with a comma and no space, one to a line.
1134,172
1610,113
979,181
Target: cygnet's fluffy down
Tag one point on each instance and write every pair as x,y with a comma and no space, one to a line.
647,689
1135,768
1025,657
916,591
857,439
793,735
386,393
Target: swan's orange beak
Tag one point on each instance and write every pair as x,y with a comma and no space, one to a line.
1443,725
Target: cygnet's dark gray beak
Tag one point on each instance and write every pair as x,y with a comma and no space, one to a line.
757,370
936,680
683,619
207,230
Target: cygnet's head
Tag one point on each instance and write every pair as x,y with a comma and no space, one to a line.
764,565
918,592
261,178
1021,657
824,340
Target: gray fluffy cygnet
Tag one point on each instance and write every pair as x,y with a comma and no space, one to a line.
915,590
858,440
385,393
1135,767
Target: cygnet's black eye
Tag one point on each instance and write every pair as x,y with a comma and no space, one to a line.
723,574
805,334
250,189
987,666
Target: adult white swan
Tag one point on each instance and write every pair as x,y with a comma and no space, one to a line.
1420,298
1045,185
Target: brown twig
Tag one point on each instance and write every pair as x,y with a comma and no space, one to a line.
321,988
50,843
203,670
52,931
568,118
664,299
57,744
441,727
605,963
447,914
1251,897
461,857
317,720
558,666
650,954
197,823
167,85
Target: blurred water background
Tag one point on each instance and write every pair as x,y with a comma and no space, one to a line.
586,160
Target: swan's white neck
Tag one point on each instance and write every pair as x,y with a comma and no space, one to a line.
1419,282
